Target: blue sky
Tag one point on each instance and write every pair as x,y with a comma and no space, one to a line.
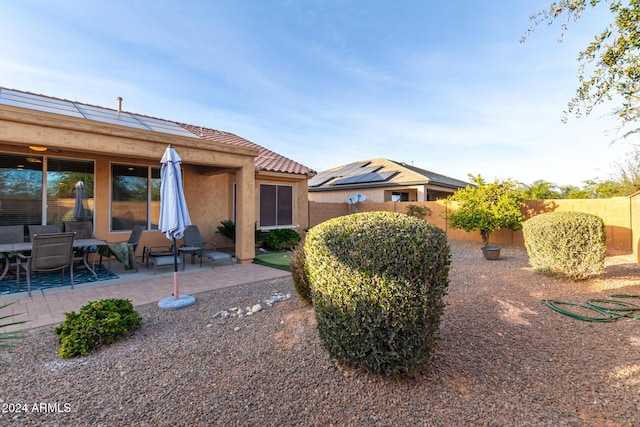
445,85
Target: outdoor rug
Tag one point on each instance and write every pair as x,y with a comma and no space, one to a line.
41,281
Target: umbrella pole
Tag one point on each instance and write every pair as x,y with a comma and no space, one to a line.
176,292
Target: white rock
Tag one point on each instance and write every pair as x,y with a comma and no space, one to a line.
237,328
256,308
249,313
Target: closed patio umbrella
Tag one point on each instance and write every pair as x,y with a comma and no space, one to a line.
80,207
174,218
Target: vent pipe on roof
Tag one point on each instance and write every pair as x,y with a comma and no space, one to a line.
119,104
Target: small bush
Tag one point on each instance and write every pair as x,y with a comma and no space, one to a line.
300,279
99,322
572,244
378,281
228,229
281,238
418,211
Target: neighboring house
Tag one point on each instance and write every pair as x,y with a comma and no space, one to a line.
48,145
381,180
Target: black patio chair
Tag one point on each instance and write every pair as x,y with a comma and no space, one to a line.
44,229
83,230
192,238
132,245
9,234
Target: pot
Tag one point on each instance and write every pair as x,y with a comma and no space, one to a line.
491,253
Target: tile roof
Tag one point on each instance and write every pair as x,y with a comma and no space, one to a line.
267,160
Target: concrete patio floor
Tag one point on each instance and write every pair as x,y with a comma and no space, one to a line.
142,287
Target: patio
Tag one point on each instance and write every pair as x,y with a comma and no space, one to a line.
46,307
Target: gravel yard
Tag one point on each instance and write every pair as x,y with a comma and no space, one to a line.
504,360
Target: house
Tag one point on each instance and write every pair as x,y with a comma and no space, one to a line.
48,145
381,180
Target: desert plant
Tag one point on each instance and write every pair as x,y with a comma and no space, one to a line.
486,207
98,322
571,244
378,281
7,338
299,274
281,238
228,229
418,211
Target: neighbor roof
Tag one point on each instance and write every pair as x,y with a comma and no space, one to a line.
267,160
379,173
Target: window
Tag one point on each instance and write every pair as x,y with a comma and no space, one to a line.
397,196
276,205
135,197
69,190
24,185
21,190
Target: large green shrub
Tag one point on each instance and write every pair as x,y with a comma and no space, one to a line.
378,281
299,274
281,238
572,244
98,322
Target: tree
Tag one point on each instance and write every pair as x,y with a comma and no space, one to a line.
610,65
627,172
540,190
486,207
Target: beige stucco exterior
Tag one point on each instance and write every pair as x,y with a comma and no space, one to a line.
210,171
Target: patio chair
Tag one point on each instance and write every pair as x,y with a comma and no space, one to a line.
150,252
125,252
83,230
49,252
193,239
44,229
9,234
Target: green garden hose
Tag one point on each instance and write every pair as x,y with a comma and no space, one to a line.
622,307
608,310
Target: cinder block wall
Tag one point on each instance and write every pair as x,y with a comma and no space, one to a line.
616,213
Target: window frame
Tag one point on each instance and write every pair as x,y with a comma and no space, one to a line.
150,178
277,208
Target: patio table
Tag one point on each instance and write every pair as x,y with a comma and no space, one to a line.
8,249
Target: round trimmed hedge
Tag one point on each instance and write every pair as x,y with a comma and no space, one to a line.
571,244
378,281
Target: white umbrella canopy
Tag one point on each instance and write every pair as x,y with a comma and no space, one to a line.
174,215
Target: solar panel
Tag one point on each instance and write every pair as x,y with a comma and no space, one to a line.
361,175
58,106
365,178
320,179
36,102
349,169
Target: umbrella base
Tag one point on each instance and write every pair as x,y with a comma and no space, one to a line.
170,303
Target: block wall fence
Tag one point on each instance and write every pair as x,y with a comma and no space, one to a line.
621,216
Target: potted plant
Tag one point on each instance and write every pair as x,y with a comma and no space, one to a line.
486,207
